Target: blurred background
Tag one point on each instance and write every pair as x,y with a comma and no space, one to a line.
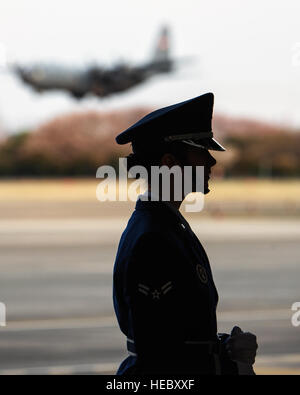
72,76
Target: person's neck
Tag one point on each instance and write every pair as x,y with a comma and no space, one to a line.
174,203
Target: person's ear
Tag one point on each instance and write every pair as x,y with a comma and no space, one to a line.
169,160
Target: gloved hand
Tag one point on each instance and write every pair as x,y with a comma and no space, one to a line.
241,346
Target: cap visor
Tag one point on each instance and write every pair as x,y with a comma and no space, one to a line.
215,145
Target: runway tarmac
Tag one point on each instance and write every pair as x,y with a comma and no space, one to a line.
56,282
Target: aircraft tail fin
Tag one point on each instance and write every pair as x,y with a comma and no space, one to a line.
161,56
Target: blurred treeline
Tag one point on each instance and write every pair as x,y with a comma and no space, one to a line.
77,144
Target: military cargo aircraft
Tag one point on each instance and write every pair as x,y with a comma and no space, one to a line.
95,79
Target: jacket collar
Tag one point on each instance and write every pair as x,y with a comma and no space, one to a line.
161,207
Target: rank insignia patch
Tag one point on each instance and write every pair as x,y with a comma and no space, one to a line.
157,293
143,289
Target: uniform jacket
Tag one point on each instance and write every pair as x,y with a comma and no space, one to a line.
165,298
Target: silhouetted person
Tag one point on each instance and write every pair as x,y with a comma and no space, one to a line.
164,295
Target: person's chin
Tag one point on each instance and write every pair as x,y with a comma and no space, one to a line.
206,188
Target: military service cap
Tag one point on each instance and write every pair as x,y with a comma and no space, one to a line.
188,122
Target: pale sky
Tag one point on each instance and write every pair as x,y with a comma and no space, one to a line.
246,52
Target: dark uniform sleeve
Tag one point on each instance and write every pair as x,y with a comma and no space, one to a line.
154,295
228,367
